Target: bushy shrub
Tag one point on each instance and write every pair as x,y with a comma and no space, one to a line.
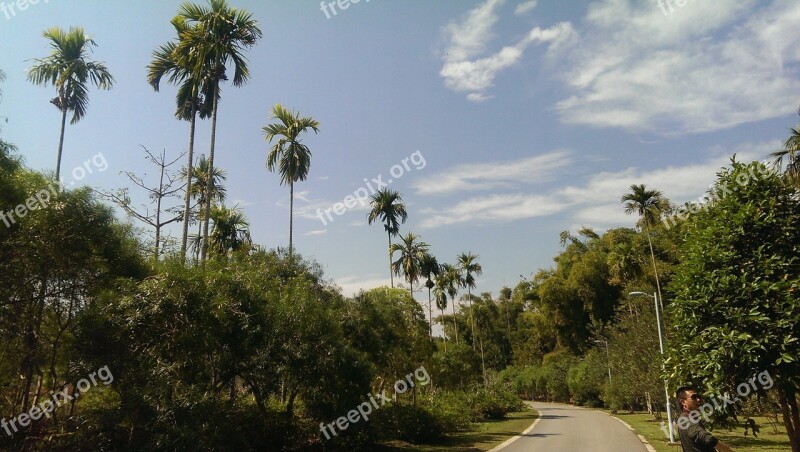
412,423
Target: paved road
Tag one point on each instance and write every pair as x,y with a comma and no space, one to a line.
573,429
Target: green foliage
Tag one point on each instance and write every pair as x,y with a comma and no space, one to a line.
735,311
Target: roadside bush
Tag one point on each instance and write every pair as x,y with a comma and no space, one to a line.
412,423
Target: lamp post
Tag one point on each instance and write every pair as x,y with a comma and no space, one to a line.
608,359
661,346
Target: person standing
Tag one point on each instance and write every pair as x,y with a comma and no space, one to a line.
694,437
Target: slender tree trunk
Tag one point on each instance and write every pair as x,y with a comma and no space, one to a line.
445,334
391,274
791,416
158,203
209,182
471,321
455,325
189,175
291,209
61,143
483,365
430,315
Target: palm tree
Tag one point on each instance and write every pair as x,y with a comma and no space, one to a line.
289,156
198,191
790,151
451,280
429,268
410,260
231,231
387,206
69,71
469,267
649,205
210,39
189,101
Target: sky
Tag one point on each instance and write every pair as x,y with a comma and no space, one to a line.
501,123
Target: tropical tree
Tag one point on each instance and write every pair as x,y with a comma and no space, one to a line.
790,152
189,101
388,207
450,280
410,261
70,71
212,38
440,294
231,231
428,269
200,179
649,205
469,267
288,155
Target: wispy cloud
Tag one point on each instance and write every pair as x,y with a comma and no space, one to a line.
316,232
483,176
595,203
706,66
525,7
465,70
351,285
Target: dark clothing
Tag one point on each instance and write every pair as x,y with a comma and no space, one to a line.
695,438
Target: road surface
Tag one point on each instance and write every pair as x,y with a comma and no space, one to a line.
573,429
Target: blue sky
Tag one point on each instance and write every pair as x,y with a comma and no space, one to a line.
532,117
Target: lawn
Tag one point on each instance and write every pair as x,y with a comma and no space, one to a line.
484,436
767,441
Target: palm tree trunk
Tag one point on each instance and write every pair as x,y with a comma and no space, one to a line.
455,325
430,315
209,182
189,168
291,209
445,334
655,269
61,143
391,274
471,321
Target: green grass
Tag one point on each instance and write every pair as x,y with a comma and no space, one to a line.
645,425
484,436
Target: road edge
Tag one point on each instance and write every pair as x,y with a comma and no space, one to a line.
508,442
644,441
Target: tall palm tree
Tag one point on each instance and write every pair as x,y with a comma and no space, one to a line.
189,100
211,39
289,156
70,71
451,281
429,268
388,207
791,152
200,178
409,263
649,205
469,267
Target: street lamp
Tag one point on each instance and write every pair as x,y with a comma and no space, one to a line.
608,359
661,346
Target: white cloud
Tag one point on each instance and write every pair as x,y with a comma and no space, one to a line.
464,71
482,176
703,67
595,203
351,285
316,232
525,7
492,209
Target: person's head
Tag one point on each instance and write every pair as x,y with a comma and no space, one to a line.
688,399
